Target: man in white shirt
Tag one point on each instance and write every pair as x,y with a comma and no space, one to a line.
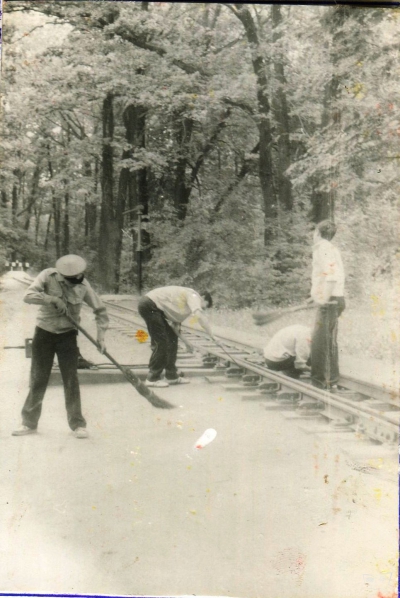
328,291
288,351
163,310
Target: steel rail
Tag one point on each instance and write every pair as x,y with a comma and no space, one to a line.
363,387
339,402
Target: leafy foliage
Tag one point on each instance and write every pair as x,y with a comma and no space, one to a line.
234,127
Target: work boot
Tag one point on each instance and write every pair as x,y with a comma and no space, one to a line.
23,431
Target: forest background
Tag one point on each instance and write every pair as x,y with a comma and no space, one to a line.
233,127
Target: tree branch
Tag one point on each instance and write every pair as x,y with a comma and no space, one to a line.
52,121
241,105
35,183
209,145
76,128
120,29
229,45
46,134
133,38
32,30
243,172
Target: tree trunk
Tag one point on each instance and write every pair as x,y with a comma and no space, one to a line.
4,199
270,199
33,196
56,213
110,234
66,231
90,212
46,239
281,120
144,198
14,196
38,214
90,219
133,186
183,128
323,200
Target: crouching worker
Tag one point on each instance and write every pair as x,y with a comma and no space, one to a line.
289,351
59,291
163,310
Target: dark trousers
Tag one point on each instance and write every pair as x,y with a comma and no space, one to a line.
44,346
164,342
324,347
286,366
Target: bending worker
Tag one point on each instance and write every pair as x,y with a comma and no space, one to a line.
163,310
289,351
59,291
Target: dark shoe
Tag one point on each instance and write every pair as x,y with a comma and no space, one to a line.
23,431
84,364
80,433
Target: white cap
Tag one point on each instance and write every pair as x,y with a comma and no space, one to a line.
71,265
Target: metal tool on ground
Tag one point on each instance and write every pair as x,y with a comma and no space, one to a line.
27,347
142,389
266,317
15,347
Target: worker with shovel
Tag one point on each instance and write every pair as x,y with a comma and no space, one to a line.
60,292
163,310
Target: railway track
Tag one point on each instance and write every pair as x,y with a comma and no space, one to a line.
368,409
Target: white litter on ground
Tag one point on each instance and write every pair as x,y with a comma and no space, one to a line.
206,438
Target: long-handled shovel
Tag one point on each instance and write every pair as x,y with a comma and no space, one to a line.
142,389
266,317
